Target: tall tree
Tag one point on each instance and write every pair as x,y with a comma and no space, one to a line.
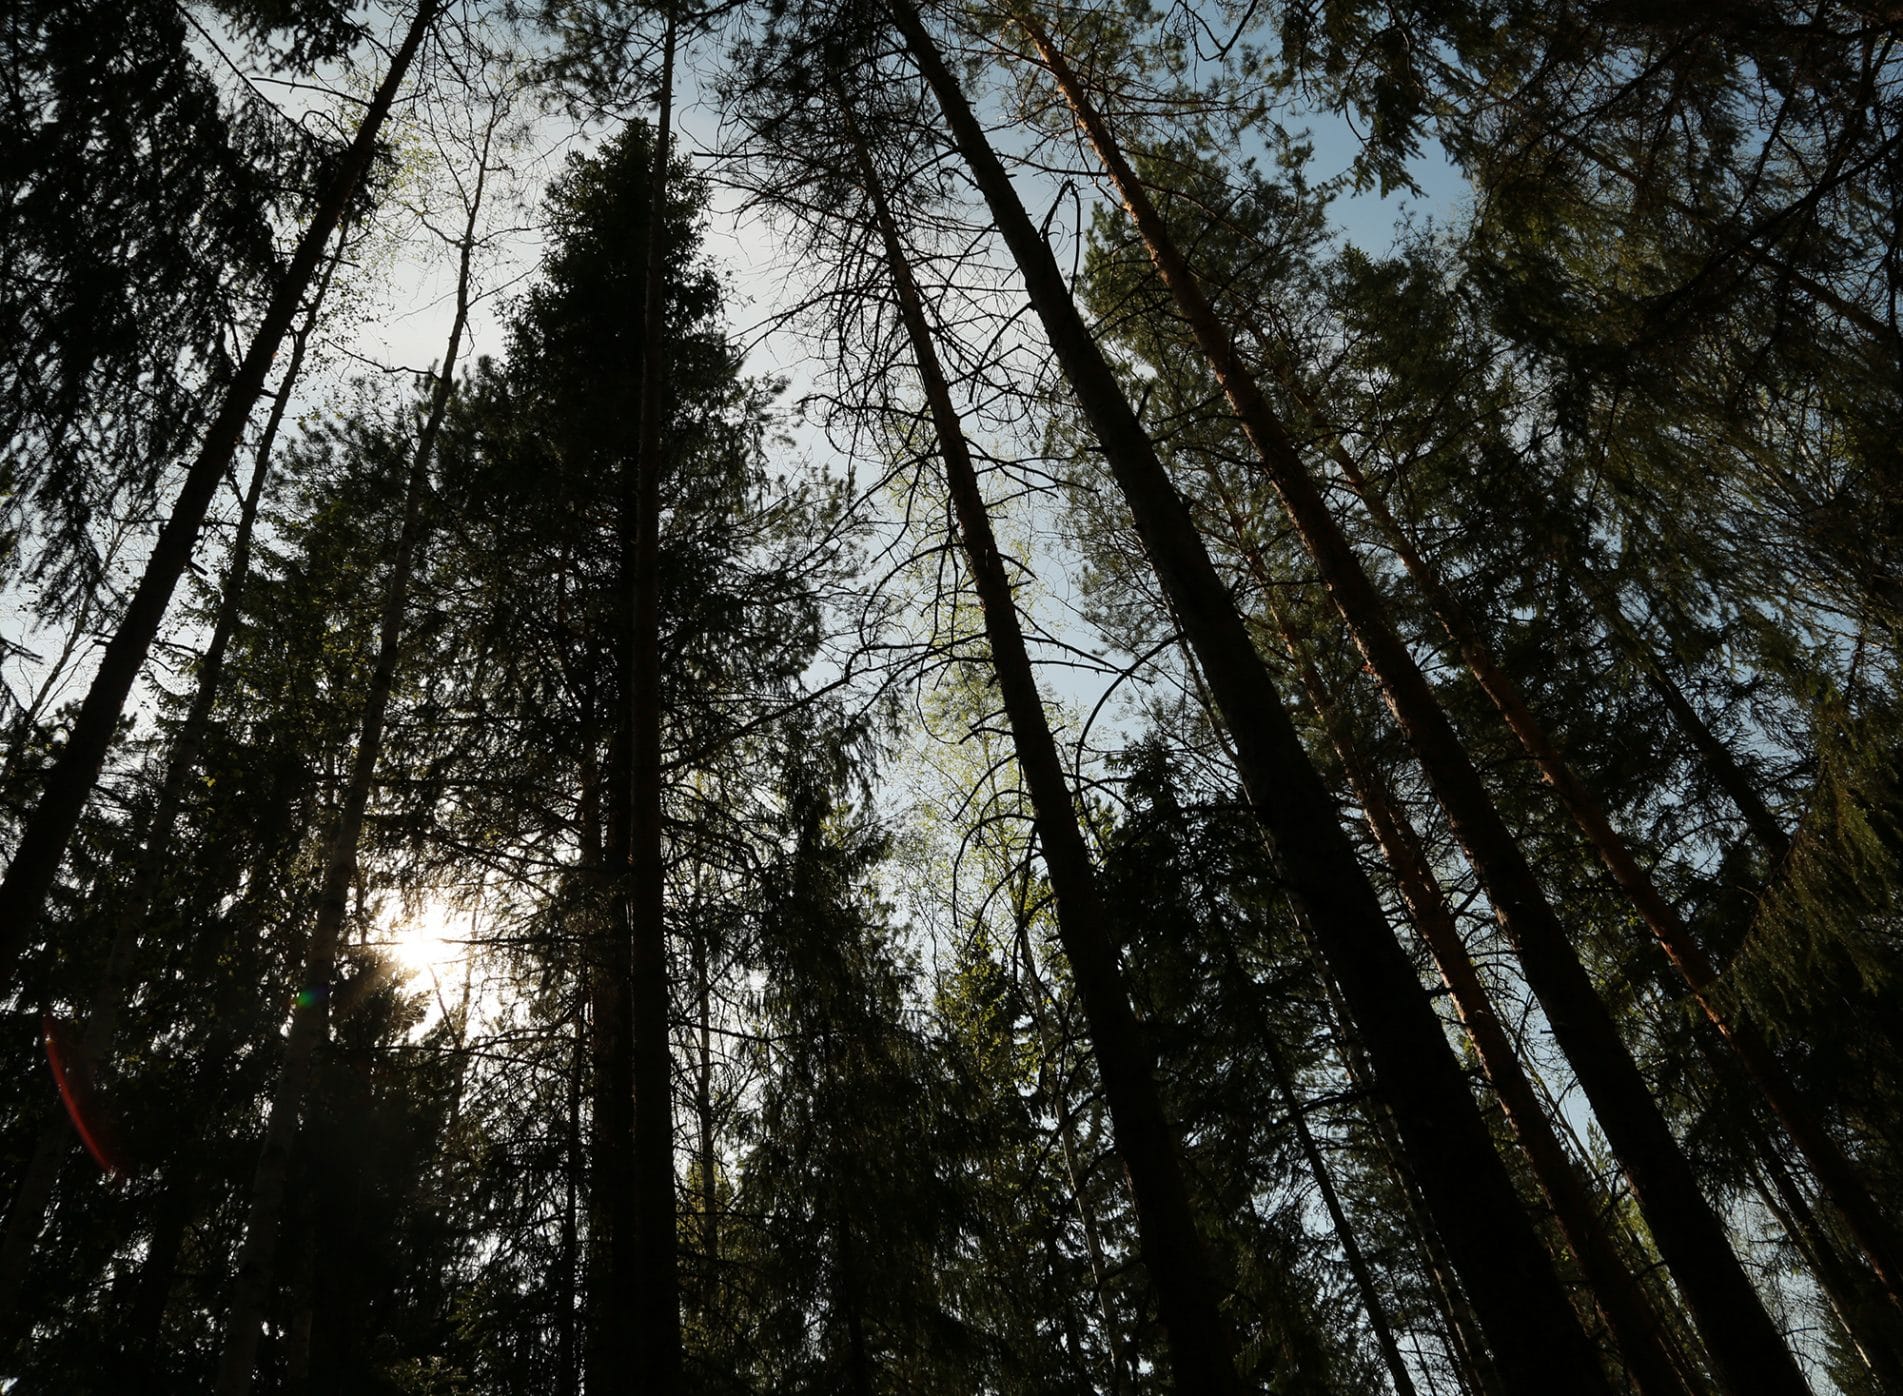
1744,1342
311,1009
1525,1312
42,846
1201,1348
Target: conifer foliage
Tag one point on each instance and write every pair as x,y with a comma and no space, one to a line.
1279,774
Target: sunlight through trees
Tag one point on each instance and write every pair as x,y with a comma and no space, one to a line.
877,697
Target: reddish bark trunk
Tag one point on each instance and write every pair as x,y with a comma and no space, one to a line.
1629,1315
1744,1344
1526,1314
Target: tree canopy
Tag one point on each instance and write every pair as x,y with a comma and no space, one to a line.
1023,698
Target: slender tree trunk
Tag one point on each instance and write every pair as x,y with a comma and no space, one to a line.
310,1017
1053,1038
1358,1267
1535,1334
1073,1329
1843,1186
1719,763
567,1289
604,835
28,1212
1460,1328
656,1320
1188,1296
42,848
1867,1321
704,1116
1745,1345
1093,1247
1629,1316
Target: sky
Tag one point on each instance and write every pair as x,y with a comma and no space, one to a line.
396,323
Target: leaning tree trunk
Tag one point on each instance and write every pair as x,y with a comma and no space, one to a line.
1718,761
1536,1336
1200,1343
1358,1268
251,1286
1459,1327
1843,1186
1746,1347
1629,1315
28,1212
49,829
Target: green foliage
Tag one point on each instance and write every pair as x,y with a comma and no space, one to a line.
1634,403
137,212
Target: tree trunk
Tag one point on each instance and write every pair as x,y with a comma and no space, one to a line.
140,1339
704,1117
1114,1352
1722,766
1073,1329
1838,1177
1719,763
656,1319
310,1017
567,1288
1358,1267
1745,1345
1528,1319
604,837
42,847
1188,1296
296,1343
28,1212
1459,1328
1869,1324
1629,1316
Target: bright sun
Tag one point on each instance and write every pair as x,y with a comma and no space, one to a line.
423,937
